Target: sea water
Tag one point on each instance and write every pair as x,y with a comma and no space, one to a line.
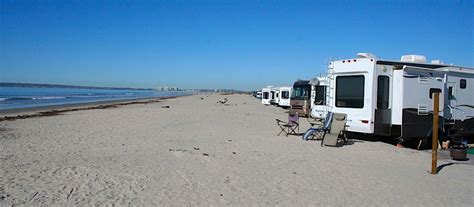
28,97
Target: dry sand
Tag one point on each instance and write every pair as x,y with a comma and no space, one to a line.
199,152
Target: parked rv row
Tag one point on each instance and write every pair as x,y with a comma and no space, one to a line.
279,96
387,98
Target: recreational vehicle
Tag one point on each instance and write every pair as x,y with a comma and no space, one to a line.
300,97
319,97
394,99
284,100
266,95
310,97
275,95
258,94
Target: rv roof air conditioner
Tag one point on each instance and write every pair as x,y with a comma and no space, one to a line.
439,62
365,55
413,58
314,81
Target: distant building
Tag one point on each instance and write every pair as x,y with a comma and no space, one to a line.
166,88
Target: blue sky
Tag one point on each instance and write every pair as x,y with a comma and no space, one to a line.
219,44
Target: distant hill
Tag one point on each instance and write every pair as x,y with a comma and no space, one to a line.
41,85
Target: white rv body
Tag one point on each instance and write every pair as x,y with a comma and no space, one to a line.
284,96
275,95
266,95
393,98
258,94
319,97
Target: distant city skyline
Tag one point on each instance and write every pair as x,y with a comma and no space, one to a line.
242,45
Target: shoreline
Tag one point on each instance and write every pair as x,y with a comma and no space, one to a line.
14,114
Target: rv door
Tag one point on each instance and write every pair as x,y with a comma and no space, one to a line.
451,100
383,113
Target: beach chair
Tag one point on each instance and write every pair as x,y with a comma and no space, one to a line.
290,127
318,131
336,131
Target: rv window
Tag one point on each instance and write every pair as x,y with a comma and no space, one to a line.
285,94
450,93
300,92
434,90
383,90
273,94
320,98
350,91
265,95
462,84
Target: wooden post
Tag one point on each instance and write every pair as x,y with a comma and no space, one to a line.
434,146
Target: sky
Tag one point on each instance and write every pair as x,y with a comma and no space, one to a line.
242,45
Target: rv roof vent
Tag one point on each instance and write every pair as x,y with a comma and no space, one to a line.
414,58
439,62
365,55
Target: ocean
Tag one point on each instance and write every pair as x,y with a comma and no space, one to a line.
28,97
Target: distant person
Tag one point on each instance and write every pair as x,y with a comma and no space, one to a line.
223,101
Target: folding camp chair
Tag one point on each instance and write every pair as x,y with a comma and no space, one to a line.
290,126
318,131
336,131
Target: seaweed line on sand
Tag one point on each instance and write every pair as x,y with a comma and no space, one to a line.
57,112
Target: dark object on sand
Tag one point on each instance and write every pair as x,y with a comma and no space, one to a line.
202,98
458,153
165,107
223,101
196,148
205,154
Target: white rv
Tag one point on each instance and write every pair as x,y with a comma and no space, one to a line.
284,99
309,98
275,95
258,94
394,98
266,95
319,97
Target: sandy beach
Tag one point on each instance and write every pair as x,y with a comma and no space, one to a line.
197,152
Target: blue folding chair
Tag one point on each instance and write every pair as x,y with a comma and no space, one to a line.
320,131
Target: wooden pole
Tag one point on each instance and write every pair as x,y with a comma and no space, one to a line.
434,146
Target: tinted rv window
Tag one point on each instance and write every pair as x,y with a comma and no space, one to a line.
462,84
265,95
350,91
300,92
285,94
434,90
383,90
320,98
450,93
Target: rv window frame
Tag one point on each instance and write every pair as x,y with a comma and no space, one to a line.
462,83
305,89
363,91
316,100
450,93
267,95
387,96
434,90
283,94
